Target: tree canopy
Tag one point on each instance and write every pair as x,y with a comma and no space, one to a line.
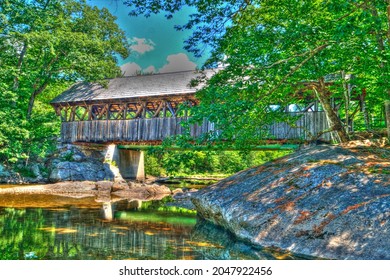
44,46
208,20
280,52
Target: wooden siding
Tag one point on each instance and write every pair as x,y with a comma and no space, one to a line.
157,129
135,130
308,125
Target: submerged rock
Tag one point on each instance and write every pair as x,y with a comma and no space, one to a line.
325,201
143,191
104,191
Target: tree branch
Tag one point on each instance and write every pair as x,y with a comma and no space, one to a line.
34,95
19,66
285,60
297,67
358,6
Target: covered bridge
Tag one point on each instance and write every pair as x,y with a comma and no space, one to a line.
146,109
136,109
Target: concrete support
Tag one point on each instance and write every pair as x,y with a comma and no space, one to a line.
112,159
125,164
131,164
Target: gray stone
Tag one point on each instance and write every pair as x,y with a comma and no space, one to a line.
104,186
101,175
156,189
36,171
76,175
120,185
78,157
90,170
61,172
4,172
323,201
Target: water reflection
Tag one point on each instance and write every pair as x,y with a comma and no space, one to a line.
107,210
77,233
51,227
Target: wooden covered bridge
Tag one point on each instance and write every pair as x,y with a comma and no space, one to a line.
146,109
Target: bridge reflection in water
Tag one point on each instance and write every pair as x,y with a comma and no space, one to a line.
80,231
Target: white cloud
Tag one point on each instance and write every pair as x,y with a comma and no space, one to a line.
141,45
177,62
150,69
131,69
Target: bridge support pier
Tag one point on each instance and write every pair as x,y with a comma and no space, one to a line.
131,163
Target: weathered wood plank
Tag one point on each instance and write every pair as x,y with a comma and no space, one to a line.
157,129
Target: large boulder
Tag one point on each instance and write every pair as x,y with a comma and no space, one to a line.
4,172
8,176
325,201
79,163
89,170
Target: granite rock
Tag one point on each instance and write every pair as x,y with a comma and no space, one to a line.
326,201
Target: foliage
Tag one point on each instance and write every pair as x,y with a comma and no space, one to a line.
19,233
159,162
208,20
45,45
67,156
287,52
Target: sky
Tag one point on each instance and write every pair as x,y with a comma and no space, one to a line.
156,46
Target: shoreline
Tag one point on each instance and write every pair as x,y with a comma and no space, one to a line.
102,190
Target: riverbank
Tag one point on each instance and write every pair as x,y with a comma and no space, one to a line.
324,201
102,191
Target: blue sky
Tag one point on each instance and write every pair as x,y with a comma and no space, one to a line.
156,45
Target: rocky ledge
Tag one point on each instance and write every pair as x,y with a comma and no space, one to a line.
326,201
103,191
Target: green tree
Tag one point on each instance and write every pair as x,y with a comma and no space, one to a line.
44,46
47,41
208,20
279,52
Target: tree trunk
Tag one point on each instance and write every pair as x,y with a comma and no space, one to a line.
19,66
365,115
31,105
32,98
387,112
334,121
347,98
387,102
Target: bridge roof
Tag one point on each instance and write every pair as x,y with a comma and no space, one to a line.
132,87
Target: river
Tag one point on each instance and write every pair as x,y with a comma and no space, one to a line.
50,227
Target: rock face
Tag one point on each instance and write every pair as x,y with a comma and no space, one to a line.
89,170
67,163
325,201
103,191
8,176
73,164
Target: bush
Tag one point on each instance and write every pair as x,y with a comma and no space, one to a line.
173,163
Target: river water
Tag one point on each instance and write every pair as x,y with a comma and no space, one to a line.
54,227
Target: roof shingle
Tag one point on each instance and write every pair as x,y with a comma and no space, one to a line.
133,87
